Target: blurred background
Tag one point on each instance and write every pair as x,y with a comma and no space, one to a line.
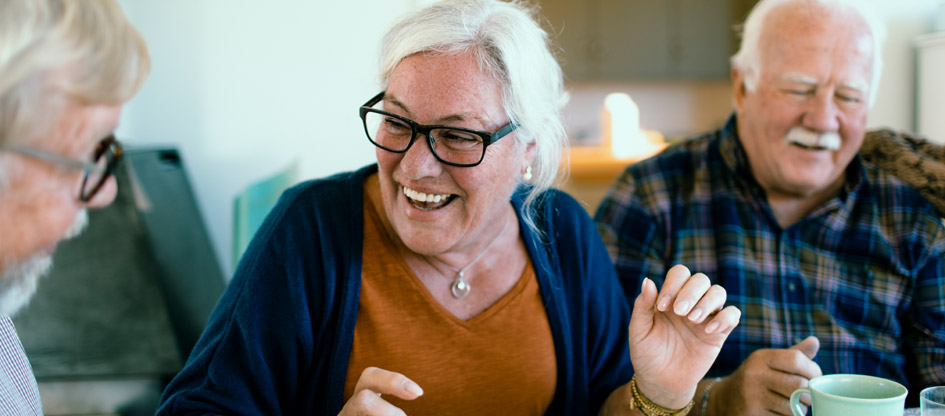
247,97
245,89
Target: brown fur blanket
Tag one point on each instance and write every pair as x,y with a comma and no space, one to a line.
912,159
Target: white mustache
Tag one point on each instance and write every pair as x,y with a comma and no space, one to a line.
829,140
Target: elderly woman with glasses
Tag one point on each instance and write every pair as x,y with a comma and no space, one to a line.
66,69
449,278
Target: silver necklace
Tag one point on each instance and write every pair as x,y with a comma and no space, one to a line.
460,287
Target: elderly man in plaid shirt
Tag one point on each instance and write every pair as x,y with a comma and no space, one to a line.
836,265
66,68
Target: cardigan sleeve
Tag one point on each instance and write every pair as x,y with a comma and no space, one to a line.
248,359
598,310
274,342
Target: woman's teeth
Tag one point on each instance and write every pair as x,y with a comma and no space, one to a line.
425,201
422,197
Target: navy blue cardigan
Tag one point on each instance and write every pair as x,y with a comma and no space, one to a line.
279,339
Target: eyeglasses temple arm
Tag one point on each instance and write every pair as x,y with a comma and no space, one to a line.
72,163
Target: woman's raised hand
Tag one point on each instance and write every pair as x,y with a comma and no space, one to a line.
375,382
676,334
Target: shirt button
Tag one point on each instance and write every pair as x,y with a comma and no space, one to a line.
791,287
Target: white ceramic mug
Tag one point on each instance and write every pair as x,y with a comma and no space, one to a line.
852,395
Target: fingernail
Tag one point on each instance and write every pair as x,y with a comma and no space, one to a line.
695,315
711,328
413,388
681,308
664,303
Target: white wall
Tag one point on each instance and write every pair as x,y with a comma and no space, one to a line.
905,19
245,87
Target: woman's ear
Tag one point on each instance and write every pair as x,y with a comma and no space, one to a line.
531,149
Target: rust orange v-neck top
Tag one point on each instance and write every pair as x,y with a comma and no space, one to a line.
501,361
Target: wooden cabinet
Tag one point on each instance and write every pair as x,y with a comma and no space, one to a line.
644,39
593,169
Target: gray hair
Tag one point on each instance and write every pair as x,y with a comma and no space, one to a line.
748,58
58,51
509,44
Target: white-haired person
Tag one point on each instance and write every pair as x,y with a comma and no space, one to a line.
449,278
66,69
835,263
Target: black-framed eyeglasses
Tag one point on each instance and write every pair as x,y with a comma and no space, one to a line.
455,146
108,153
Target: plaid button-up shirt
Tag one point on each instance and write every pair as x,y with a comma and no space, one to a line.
864,272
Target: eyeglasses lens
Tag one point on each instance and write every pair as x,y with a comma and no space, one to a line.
106,157
454,146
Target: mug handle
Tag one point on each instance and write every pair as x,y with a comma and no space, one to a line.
796,401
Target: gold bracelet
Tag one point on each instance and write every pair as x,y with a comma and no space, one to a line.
640,402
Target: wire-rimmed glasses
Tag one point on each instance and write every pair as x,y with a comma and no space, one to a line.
455,146
108,153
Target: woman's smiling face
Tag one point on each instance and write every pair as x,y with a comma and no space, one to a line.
447,89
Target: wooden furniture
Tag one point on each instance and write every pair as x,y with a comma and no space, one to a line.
645,39
592,169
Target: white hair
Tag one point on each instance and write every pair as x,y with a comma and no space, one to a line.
748,58
18,282
54,51
508,44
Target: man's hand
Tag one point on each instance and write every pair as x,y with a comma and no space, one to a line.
676,334
375,382
763,384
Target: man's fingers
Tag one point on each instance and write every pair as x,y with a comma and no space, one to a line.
780,393
805,399
776,387
793,361
809,346
675,279
776,404
382,381
784,384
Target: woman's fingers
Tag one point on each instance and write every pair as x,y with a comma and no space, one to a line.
647,297
725,321
696,298
691,294
712,301
676,278
374,382
382,381
367,402
684,292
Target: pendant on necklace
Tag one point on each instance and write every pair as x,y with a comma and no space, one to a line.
460,288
